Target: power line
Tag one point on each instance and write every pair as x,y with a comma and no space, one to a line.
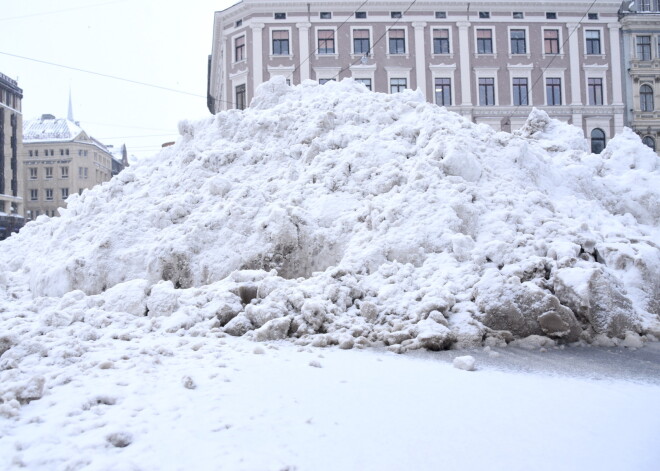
135,137
52,12
570,33
378,40
316,50
114,77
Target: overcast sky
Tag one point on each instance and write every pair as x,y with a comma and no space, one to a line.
160,42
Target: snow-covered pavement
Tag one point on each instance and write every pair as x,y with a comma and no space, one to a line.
181,403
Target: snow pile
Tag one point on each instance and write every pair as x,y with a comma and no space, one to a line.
337,216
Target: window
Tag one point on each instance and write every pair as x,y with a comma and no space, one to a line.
649,141
280,43
323,81
551,41
49,172
61,151
486,91
64,172
646,98
33,173
484,41
240,97
397,85
518,15
239,23
36,153
440,41
30,153
597,141
82,172
34,195
518,42
361,41
66,151
440,14
644,48
593,41
325,15
280,16
484,14
326,41
551,15
65,193
49,194
360,15
593,16
443,91
553,91
80,190
520,91
364,81
397,41
239,49
595,88
396,14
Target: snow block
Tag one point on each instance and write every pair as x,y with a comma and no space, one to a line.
466,363
597,297
275,329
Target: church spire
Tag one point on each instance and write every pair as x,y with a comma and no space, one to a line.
69,115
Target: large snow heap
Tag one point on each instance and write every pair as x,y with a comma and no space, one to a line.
334,215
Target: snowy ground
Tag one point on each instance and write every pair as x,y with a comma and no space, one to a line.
186,403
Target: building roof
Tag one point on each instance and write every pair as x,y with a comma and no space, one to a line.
49,128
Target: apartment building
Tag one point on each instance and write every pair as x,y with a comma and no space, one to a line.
59,158
11,130
640,26
491,61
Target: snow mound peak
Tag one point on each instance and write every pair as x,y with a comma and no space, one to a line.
335,215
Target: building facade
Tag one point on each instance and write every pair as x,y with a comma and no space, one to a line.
640,26
491,61
59,159
12,210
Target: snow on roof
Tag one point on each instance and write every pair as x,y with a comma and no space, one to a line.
49,128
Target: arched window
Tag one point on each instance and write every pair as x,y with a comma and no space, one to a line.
649,141
646,98
597,141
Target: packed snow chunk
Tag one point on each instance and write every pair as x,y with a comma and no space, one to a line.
523,308
238,326
534,342
29,390
596,296
552,134
274,329
466,363
129,297
434,336
461,162
163,299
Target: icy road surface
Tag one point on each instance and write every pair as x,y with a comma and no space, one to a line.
178,403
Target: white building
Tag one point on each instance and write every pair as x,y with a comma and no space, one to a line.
491,61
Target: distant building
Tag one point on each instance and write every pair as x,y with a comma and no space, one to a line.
119,158
59,158
12,209
640,21
489,60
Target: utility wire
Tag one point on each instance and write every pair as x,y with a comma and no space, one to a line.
378,40
52,12
114,77
316,50
554,56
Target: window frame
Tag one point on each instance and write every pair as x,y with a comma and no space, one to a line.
649,98
448,39
272,32
448,93
642,57
513,89
363,81
49,194
240,96
647,139
333,30
34,194
243,48
34,173
64,172
370,34
556,91
491,40
482,91
404,39
558,39
595,92
601,139
64,193
525,40
600,42
392,85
